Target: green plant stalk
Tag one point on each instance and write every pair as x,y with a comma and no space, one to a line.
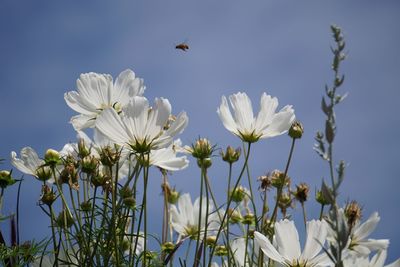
280,189
204,177
53,234
196,260
230,200
251,190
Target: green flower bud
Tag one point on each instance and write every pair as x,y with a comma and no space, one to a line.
86,206
301,193
221,251
173,196
130,202
279,180
211,240
296,130
89,164
167,247
234,216
44,173
231,155
6,179
64,219
48,196
319,197
202,149
239,194
52,157
204,163
83,151
249,219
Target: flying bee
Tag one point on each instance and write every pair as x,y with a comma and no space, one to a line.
182,46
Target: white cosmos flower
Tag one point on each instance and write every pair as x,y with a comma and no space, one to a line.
165,158
140,127
242,123
97,92
185,217
29,161
359,243
288,251
378,260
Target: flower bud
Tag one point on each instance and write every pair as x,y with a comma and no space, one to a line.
100,179
285,202
352,211
167,247
43,173
296,130
125,192
83,150
173,196
64,219
239,194
204,163
52,157
48,196
301,193
89,164
108,156
221,251
265,182
249,219
230,155
234,216
130,202
211,240
279,180
6,179
202,149
319,197
86,206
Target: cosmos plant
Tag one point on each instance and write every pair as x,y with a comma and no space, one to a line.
95,191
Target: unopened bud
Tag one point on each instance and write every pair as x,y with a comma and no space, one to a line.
64,219
301,193
83,151
202,149
204,163
249,219
352,212
6,179
86,206
231,155
43,173
167,247
239,194
279,180
89,164
211,240
173,196
296,130
265,182
221,251
234,216
52,157
130,202
48,196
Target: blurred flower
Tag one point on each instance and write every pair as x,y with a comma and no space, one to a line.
359,243
165,158
288,251
378,260
250,129
141,128
97,92
29,161
185,217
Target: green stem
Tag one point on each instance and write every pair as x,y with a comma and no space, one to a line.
230,200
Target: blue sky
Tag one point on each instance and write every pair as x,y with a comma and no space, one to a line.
281,47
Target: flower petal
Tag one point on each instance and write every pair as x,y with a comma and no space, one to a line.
281,123
267,247
316,235
110,124
243,112
287,239
268,106
226,116
365,229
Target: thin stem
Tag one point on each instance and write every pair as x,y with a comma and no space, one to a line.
304,214
197,260
279,189
53,236
230,200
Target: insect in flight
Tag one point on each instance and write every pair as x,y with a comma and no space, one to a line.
182,46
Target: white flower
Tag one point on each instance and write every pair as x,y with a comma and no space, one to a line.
288,251
185,217
359,242
29,161
246,126
140,127
165,158
378,260
97,92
